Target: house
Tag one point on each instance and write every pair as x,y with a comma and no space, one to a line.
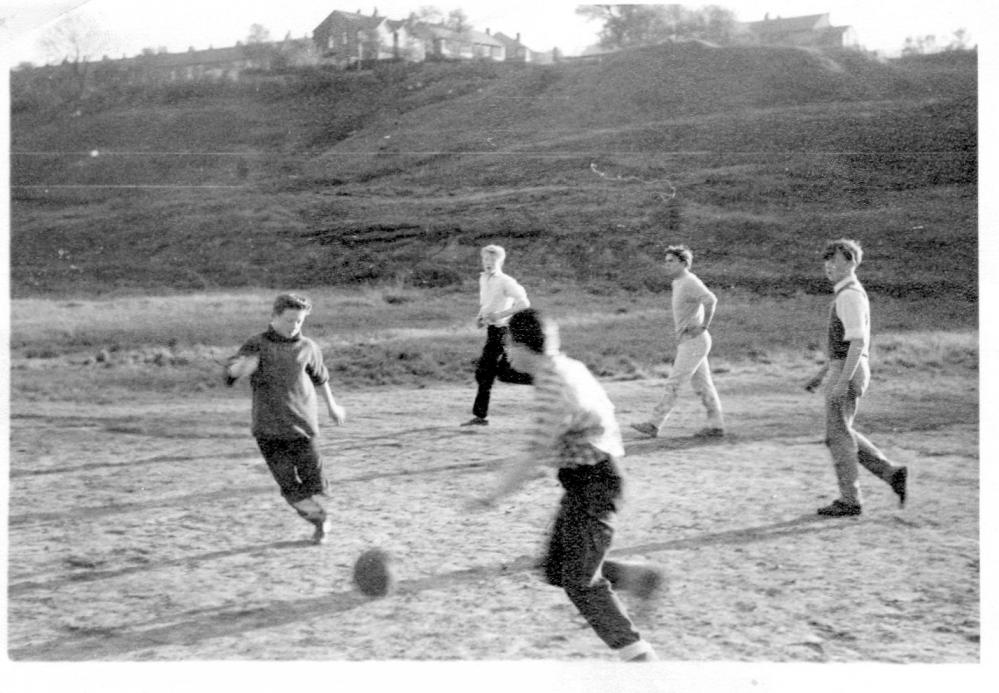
345,38
514,49
443,43
811,31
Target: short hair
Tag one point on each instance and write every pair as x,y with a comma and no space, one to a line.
850,249
496,250
532,330
681,253
291,302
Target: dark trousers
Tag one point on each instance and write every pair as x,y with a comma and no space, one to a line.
581,537
296,467
494,365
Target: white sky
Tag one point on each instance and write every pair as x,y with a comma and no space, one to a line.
178,24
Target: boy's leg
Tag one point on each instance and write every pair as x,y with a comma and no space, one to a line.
309,467
283,458
485,371
689,355
840,438
704,387
582,543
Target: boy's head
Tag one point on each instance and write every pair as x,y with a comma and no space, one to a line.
288,314
531,336
678,258
492,257
841,258
850,250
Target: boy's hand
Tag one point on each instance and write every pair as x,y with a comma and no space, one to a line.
338,414
479,322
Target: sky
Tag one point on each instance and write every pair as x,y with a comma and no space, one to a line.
176,25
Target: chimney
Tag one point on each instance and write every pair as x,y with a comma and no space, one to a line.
487,32
518,37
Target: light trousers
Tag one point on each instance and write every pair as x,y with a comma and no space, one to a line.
690,365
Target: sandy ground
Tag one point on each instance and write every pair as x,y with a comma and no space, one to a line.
151,530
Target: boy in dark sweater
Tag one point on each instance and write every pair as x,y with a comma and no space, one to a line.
286,370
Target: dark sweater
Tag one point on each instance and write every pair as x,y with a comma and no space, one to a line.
284,385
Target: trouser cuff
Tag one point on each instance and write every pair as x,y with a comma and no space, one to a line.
633,650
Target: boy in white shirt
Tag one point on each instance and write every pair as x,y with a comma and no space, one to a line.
500,296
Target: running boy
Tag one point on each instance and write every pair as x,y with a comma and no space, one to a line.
693,309
574,431
500,296
286,369
849,375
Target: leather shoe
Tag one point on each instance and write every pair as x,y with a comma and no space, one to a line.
839,509
898,484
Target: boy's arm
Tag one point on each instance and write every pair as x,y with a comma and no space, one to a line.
813,384
337,413
710,301
516,471
842,386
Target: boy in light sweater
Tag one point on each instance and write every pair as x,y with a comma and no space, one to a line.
575,432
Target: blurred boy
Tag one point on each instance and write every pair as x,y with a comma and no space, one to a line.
500,296
285,370
849,375
575,432
693,308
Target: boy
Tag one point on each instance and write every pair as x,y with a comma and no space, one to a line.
693,308
286,369
500,296
849,375
574,431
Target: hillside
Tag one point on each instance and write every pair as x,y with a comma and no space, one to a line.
752,156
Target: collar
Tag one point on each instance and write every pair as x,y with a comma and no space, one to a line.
274,336
845,282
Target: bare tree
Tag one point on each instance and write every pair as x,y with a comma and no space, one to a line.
76,42
258,48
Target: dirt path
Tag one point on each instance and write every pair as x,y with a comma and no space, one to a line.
152,531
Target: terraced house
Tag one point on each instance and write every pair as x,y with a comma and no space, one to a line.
345,39
811,31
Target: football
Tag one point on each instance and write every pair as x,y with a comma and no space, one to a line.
373,573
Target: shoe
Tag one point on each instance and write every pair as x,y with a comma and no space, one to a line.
710,432
646,429
839,509
476,421
644,657
898,484
648,584
322,533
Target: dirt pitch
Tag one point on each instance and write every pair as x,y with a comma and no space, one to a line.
151,530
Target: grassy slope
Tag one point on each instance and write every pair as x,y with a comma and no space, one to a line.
402,174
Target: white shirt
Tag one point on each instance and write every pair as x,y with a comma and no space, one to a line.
689,294
498,292
570,406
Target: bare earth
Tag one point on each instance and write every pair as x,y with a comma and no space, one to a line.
151,530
